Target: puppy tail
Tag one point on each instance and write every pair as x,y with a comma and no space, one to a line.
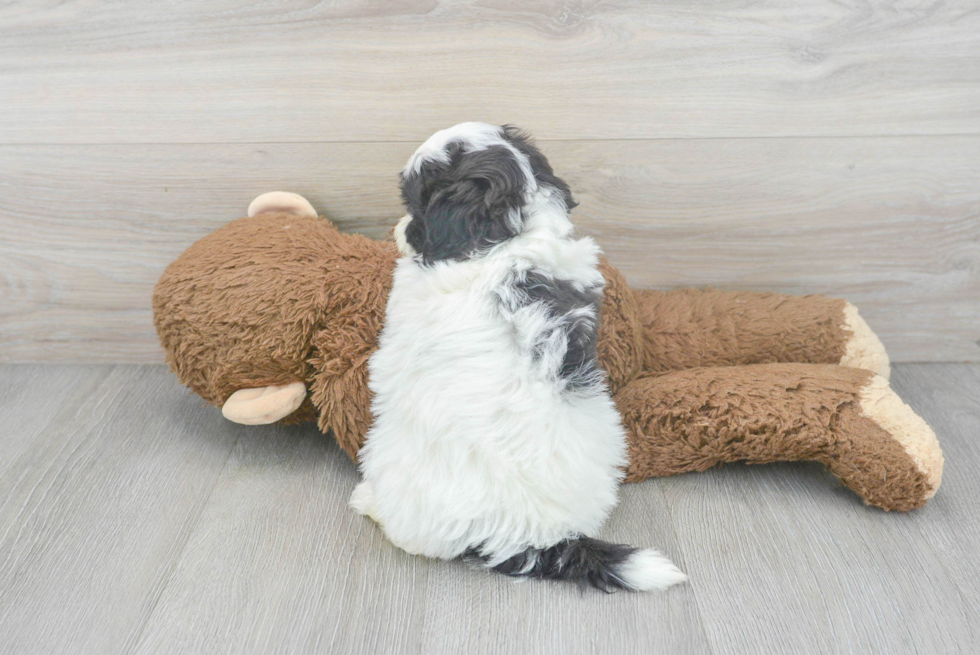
590,562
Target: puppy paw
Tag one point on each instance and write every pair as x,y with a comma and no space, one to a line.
362,500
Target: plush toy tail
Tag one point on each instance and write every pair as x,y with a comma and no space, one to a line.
590,562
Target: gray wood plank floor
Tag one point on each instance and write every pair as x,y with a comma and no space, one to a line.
135,520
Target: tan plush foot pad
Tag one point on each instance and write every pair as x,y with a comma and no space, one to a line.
863,348
264,405
281,201
883,406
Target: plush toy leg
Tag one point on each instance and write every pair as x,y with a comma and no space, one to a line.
281,201
688,328
847,418
264,405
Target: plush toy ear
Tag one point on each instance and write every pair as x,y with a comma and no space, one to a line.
468,204
264,405
281,202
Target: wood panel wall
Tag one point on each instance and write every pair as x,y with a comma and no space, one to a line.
820,147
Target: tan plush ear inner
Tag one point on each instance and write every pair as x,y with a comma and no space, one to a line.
864,349
883,406
264,405
281,201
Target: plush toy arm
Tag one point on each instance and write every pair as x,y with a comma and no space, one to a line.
846,418
687,328
347,335
341,394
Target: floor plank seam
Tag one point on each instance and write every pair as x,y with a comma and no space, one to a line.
132,645
22,520
691,580
423,611
940,560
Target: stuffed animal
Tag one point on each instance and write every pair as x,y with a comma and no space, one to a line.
273,318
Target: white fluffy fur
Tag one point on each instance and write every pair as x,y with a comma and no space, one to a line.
646,570
473,444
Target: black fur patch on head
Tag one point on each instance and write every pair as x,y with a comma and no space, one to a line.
476,199
585,561
464,206
539,164
576,314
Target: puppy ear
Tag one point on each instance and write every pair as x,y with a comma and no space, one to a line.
466,205
543,172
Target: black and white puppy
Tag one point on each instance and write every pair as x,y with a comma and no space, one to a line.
494,433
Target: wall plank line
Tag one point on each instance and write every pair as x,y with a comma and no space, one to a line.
240,71
893,224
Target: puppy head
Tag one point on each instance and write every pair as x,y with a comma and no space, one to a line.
465,190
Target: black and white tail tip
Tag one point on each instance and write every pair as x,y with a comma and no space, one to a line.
590,562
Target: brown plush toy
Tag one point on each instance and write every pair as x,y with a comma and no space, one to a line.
274,316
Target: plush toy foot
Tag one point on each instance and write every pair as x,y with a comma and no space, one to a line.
281,201
846,418
264,405
883,406
863,348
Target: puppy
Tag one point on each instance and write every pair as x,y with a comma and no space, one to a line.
494,436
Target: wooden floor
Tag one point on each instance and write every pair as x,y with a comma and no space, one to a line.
135,520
